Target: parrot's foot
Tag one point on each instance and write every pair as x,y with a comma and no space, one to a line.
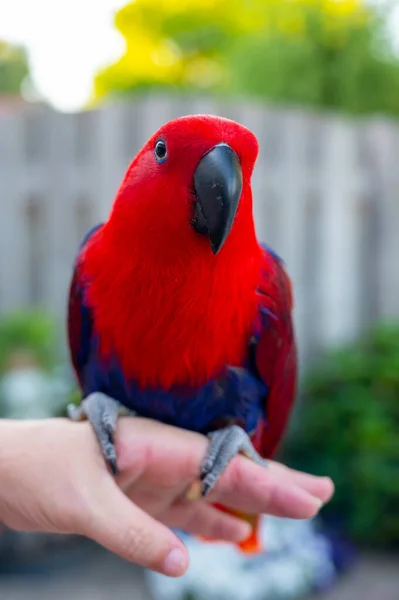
224,445
102,412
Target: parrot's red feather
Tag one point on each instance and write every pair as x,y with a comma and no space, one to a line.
276,357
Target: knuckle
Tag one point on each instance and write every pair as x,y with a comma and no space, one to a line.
135,543
270,497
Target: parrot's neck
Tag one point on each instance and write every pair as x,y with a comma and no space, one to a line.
173,323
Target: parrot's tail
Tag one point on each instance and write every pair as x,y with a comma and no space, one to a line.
252,545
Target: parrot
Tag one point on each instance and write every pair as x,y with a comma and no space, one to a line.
177,312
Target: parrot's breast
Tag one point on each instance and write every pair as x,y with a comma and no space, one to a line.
174,327
171,338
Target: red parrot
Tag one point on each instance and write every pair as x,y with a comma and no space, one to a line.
176,312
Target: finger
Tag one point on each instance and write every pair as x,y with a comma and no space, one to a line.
200,519
321,487
121,527
173,456
248,487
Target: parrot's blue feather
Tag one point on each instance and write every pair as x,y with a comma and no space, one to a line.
271,252
235,397
79,318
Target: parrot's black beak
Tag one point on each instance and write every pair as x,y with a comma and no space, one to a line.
218,187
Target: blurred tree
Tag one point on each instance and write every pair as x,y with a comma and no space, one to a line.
174,43
14,68
329,53
334,54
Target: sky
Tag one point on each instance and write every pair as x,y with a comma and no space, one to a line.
67,42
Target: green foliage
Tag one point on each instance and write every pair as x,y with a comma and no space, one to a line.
349,430
351,68
13,68
27,331
333,54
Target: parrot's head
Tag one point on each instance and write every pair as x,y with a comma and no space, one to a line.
189,188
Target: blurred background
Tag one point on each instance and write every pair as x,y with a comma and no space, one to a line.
82,85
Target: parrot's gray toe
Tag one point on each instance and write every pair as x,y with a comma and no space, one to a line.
109,452
102,411
224,445
75,413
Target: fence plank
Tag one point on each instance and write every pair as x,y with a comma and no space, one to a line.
339,279
13,239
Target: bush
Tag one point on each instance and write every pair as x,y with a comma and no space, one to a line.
349,430
30,351
31,332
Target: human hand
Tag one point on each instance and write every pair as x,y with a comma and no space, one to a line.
53,479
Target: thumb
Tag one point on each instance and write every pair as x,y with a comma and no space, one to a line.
121,527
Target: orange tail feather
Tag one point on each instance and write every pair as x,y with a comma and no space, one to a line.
252,545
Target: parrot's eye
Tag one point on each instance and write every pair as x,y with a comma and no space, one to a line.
161,152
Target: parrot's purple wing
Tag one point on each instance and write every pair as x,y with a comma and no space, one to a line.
276,353
79,318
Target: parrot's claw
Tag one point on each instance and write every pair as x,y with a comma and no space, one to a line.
224,445
102,412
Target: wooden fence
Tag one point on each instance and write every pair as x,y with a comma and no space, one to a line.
326,193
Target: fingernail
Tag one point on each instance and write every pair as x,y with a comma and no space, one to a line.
175,563
319,503
194,491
